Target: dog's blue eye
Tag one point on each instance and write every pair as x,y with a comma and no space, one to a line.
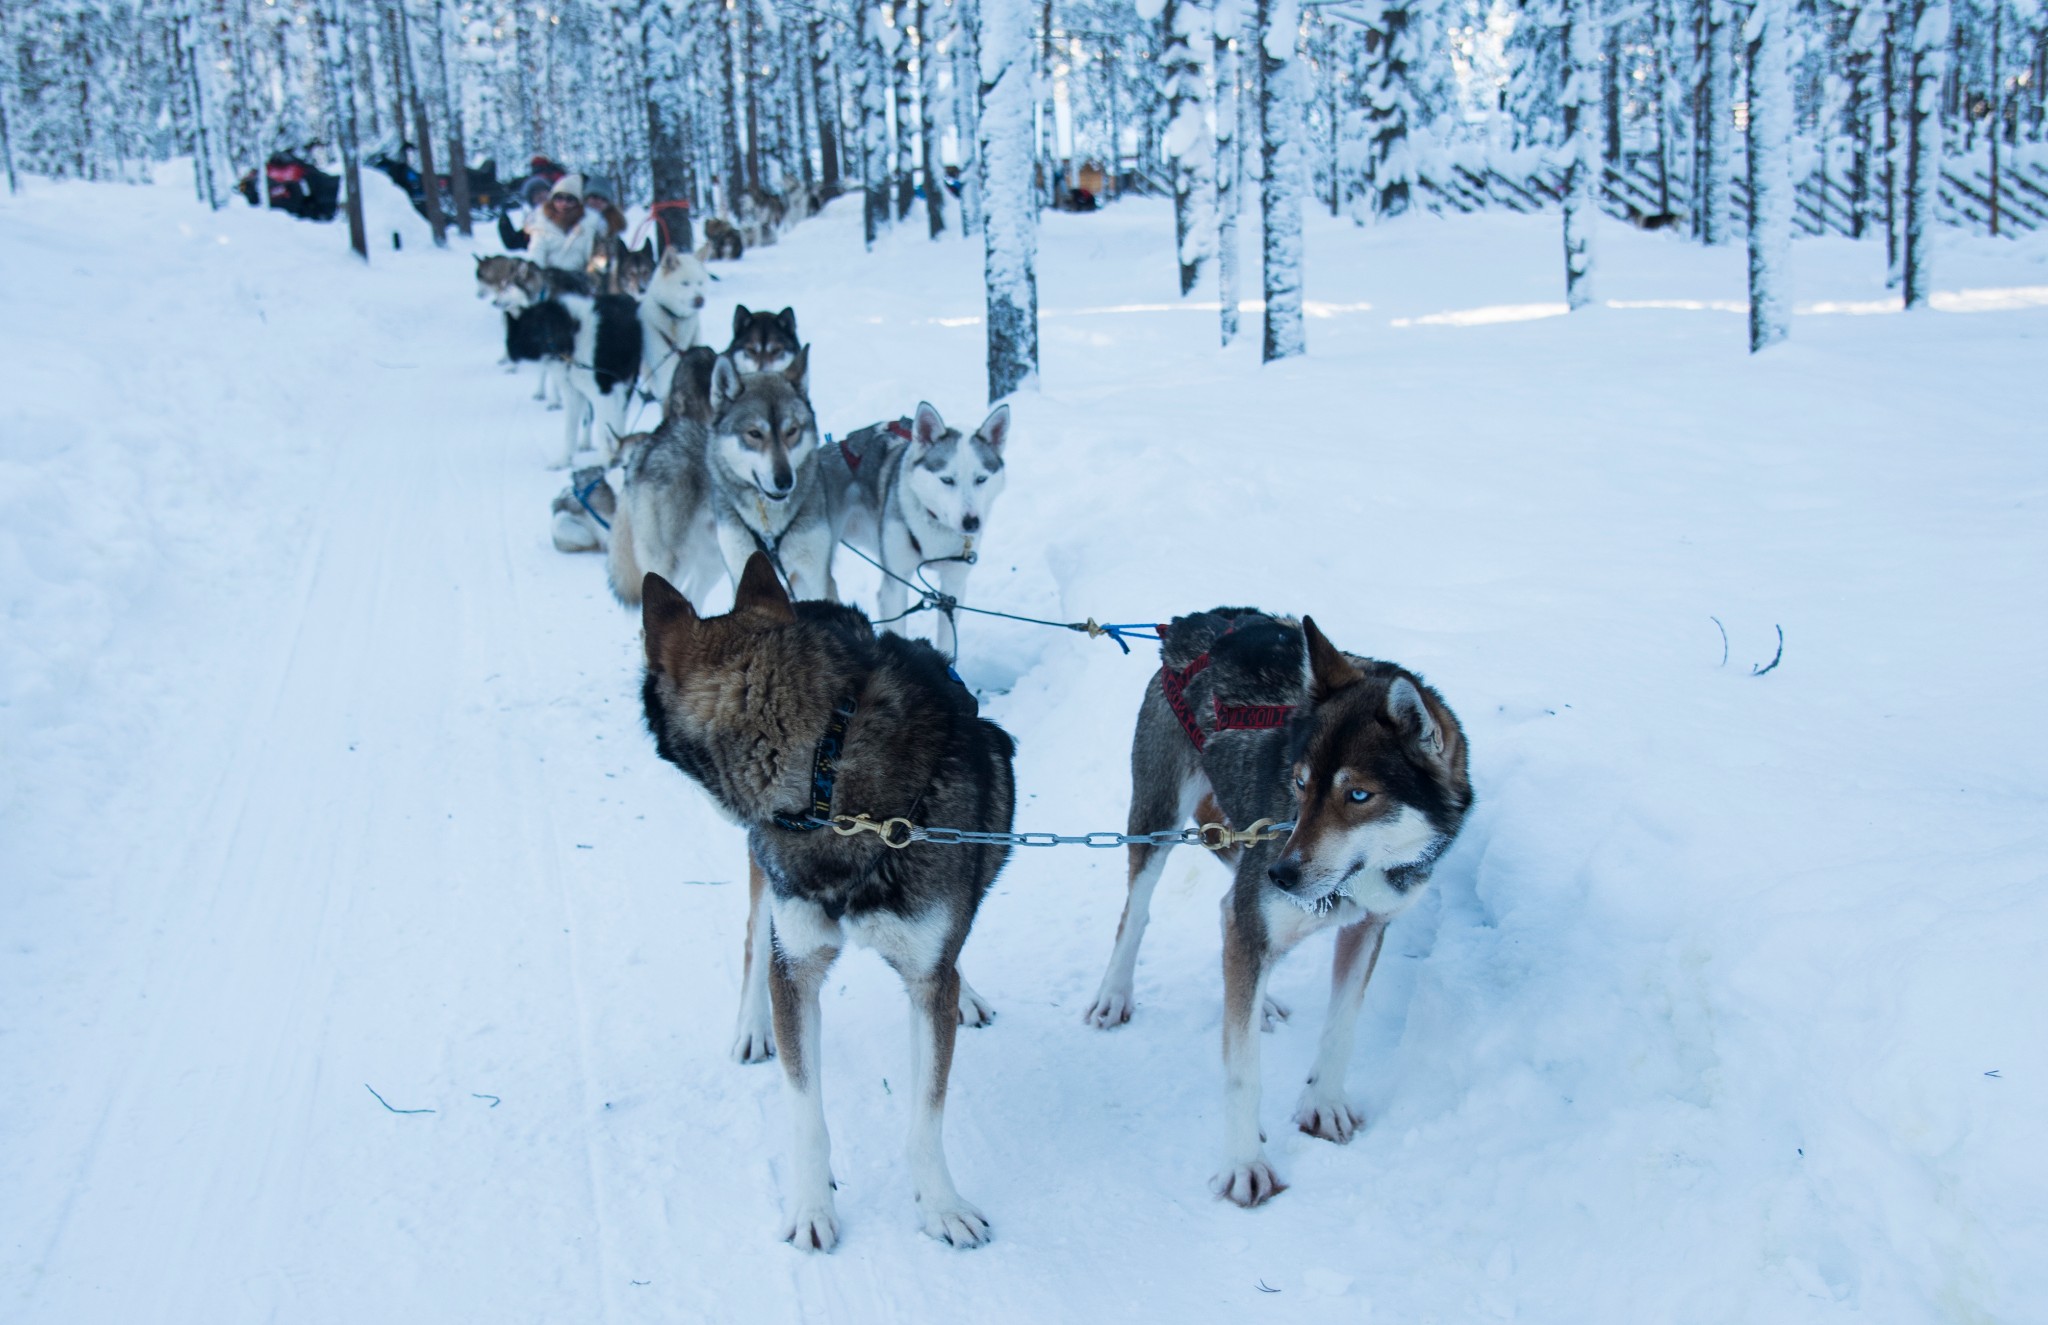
948,481
1301,782
1359,795
980,479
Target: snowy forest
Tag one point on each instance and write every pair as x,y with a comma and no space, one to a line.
1724,120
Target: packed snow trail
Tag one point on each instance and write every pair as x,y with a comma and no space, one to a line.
325,774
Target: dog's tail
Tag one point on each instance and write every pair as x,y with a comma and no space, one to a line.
621,566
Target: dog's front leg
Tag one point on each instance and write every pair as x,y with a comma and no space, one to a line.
899,559
807,557
754,1040
805,947
952,583
934,1025
1247,1177
1323,1110
1156,805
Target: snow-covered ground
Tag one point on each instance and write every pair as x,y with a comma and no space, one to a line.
323,771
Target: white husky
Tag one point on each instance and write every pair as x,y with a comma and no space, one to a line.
671,309
919,493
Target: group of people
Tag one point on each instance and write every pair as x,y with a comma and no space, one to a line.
566,216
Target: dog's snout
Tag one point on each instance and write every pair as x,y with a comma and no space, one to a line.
970,523
1285,873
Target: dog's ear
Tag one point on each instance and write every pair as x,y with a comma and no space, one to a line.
786,319
740,318
1411,715
799,372
664,615
725,383
995,429
927,427
759,588
1328,670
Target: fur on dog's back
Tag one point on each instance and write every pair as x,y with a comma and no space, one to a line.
539,331
663,511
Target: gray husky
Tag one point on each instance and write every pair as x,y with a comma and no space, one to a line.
712,486
1256,717
791,716
916,492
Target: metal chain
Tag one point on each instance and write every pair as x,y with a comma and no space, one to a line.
899,833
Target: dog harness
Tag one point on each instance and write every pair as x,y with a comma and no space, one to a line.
824,771
1229,717
583,498
899,428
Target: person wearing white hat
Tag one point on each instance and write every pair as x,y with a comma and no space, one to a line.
564,233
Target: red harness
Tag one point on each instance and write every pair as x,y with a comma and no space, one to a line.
1229,717
900,428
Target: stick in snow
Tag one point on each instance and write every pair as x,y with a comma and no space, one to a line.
1776,658
387,1103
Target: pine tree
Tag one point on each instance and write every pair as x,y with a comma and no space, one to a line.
1770,172
1717,118
1010,222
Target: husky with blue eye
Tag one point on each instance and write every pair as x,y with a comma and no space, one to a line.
1256,717
917,494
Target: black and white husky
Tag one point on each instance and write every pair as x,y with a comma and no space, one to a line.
600,373
917,493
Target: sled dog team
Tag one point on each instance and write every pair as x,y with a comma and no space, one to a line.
798,718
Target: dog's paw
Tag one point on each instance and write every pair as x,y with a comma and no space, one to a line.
1272,1012
1250,1184
753,1044
958,1225
974,1009
1111,1009
815,1228
1329,1117
554,405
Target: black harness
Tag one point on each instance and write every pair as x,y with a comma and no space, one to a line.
824,772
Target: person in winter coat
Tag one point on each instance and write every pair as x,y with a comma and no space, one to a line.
597,197
565,233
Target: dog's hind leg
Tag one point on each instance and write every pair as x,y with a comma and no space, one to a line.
1162,797
1246,1177
975,1011
754,1040
621,566
802,954
1323,1110
934,1001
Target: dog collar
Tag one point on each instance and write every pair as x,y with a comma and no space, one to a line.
824,771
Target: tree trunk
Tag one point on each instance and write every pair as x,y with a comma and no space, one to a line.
904,84
1770,174
451,121
728,94
1010,228
331,18
928,77
748,19
1582,165
1227,181
1928,61
967,103
1277,24
825,101
872,89
1717,116
1891,145
1188,25
668,130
